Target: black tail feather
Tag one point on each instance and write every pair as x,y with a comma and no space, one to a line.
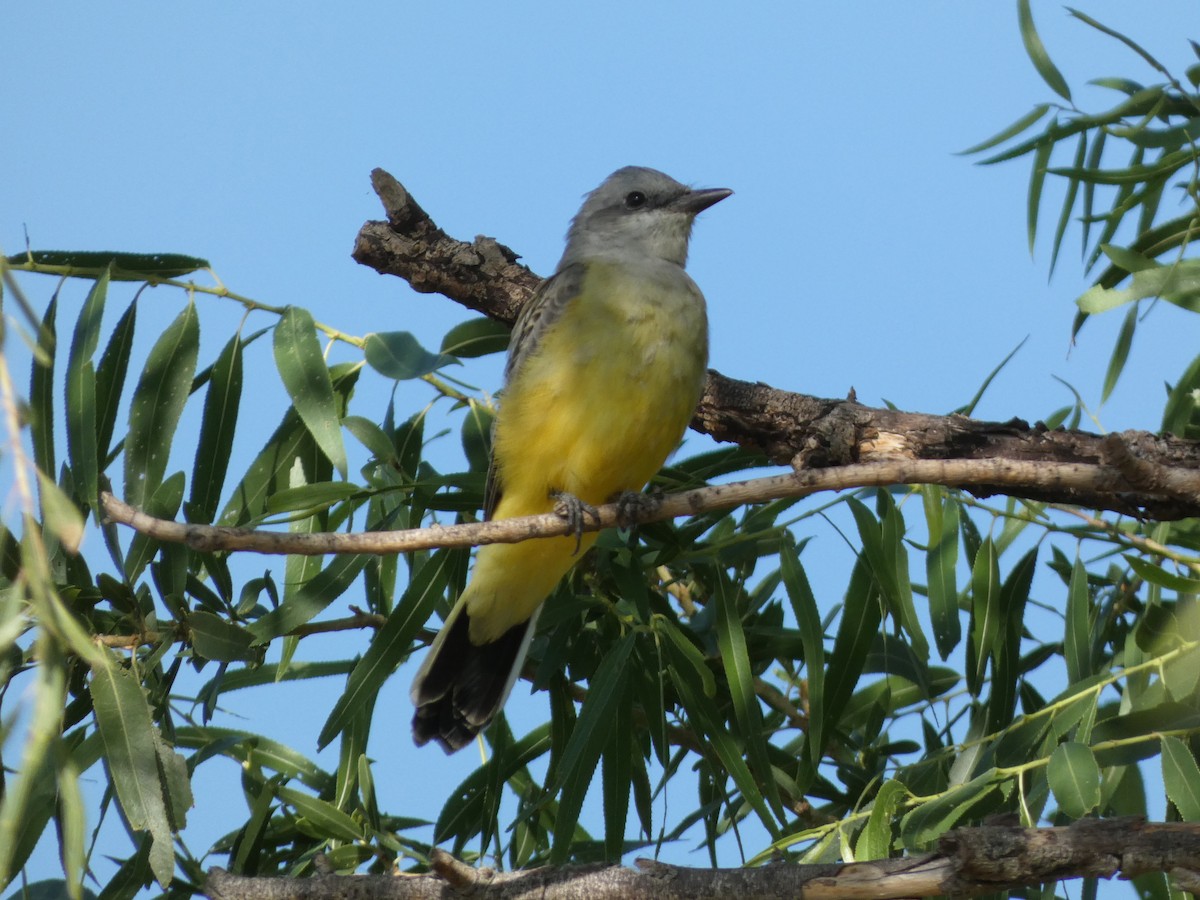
464,685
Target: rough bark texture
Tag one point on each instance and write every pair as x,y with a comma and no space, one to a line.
816,433
1161,473
483,275
968,862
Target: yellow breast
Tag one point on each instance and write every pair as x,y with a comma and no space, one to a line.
595,409
607,393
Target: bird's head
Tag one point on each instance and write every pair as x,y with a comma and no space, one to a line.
638,212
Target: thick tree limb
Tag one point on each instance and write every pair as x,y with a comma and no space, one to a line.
968,861
483,275
1163,481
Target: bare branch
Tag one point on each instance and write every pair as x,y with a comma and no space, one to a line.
483,275
996,474
176,631
969,861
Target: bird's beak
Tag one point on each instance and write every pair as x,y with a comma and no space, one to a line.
695,202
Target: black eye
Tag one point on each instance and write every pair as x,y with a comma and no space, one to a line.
634,199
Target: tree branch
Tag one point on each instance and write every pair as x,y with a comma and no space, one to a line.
179,631
1005,475
796,429
968,861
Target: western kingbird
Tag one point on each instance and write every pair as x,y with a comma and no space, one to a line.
605,368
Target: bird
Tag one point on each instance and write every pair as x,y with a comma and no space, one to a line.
606,365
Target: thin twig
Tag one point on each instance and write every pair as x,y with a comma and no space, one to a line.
950,473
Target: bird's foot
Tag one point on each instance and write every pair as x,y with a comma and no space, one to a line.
633,505
569,507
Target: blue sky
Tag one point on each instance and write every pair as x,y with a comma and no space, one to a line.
858,250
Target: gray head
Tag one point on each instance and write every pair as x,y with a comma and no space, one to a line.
638,212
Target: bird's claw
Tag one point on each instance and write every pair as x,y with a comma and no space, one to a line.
569,507
632,505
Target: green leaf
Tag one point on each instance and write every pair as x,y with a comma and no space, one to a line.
476,337
739,675
268,673
244,747
873,551
217,425
61,517
1125,734
1183,402
53,889
875,840
321,495
606,689
81,395
306,377
392,643
1178,283
271,470
1181,676
110,377
397,354
176,782
1007,669
895,692
248,843
72,821
1181,777
372,437
941,567
1037,179
329,821
311,598
968,408
1128,42
931,820
688,657
616,776
985,613
41,392
1074,779
123,719
1126,86
703,713
477,435
1010,132
812,637
859,622
1095,155
29,793
1083,707
884,551
1116,365
164,504
1037,52
463,813
1122,202
366,793
1144,178
1064,217
157,405
217,639
892,533
1156,575
97,263
1077,649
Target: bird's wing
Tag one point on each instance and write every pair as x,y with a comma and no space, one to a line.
541,311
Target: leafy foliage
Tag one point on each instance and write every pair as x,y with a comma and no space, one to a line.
973,659
1132,182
